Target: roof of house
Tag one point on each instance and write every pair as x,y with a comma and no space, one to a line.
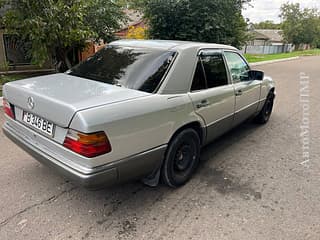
134,17
273,35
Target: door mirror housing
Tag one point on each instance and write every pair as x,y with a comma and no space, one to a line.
256,75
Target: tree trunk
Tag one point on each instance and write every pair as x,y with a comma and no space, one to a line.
62,61
67,61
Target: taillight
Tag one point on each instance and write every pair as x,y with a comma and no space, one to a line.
8,109
88,145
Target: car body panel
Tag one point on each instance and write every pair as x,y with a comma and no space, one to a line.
139,125
132,167
247,99
218,110
58,97
247,93
179,80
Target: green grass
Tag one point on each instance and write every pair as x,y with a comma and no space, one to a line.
252,58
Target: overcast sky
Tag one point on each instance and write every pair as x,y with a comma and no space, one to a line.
270,9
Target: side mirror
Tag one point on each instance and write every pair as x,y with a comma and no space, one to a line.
256,75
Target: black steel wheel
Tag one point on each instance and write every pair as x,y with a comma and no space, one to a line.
265,113
182,158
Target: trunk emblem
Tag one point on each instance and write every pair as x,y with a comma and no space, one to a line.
30,103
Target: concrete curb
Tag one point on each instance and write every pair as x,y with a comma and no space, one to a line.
273,61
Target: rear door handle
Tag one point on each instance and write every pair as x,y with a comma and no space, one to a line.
239,92
203,103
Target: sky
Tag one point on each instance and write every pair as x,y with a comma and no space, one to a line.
270,9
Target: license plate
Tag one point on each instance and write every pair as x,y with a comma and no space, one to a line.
38,123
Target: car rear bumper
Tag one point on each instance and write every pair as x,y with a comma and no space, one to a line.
136,166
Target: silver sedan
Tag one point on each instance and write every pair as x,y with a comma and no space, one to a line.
136,110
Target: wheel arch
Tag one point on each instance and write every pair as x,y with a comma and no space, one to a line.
195,125
154,177
273,91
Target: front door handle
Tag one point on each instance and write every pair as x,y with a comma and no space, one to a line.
203,103
239,92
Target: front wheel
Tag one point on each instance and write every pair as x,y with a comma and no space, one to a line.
265,113
181,159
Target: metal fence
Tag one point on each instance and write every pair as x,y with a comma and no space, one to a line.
16,50
268,49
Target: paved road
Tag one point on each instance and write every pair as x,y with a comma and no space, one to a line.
251,185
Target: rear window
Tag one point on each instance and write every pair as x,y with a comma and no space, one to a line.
134,68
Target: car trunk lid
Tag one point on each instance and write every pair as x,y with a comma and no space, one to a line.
58,97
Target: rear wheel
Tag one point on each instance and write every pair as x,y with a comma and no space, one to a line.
181,159
265,113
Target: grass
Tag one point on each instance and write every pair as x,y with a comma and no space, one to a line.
252,58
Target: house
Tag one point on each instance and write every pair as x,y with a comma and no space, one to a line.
135,19
267,37
267,41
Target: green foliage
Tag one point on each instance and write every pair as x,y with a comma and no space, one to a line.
9,78
55,27
4,66
267,25
218,21
300,26
104,17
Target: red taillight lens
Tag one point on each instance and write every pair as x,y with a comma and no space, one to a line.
8,109
88,145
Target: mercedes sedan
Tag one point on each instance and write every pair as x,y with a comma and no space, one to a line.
136,110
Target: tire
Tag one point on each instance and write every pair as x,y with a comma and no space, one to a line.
181,159
265,113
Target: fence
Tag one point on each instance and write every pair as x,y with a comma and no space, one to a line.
268,49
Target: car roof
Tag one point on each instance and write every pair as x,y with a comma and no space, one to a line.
169,44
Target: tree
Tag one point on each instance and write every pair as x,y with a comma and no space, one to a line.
133,4
57,27
267,25
300,26
218,21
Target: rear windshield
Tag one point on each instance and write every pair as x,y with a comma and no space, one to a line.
134,68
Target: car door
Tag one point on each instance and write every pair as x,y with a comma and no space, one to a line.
212,93
247,90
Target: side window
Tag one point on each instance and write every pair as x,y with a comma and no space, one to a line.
237,66
215,70
199,81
